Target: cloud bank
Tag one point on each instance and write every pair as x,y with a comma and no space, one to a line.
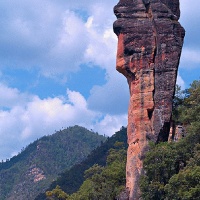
56,38
26,117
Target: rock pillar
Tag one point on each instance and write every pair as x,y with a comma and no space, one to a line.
150,40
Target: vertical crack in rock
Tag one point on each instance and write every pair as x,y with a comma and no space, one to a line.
150,41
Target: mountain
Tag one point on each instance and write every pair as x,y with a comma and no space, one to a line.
26,175
70,180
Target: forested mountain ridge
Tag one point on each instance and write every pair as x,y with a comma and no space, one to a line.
26,175
71,179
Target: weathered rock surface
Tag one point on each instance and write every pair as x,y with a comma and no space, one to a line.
176,133
150,40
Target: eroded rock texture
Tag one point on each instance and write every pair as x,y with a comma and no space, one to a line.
176,133
150,40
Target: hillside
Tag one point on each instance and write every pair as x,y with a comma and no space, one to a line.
72,179
26,175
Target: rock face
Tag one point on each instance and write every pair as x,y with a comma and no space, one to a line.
150,40
176,133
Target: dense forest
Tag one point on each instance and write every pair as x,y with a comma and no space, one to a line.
26,175
101,182
71,180
171,169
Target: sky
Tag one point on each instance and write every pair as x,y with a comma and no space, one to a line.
57,68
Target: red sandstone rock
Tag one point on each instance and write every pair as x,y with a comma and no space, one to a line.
150,40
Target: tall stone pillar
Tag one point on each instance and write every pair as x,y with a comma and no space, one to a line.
150,41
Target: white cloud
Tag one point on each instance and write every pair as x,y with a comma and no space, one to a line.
30,117
102,52
102,44
190,21
56,37
67,53
190,57
113,122
189,11
112,98
42,35
52,36
180,82
11,97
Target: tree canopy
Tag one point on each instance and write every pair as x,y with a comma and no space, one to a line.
172,170
101,182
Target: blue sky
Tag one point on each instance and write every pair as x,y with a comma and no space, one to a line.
57,68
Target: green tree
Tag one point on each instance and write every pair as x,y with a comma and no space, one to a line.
104,182
159,165
189,111
172,170
186,184
56,194
177,102
95,169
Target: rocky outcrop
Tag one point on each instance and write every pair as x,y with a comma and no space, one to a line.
176,133
150,40
36,174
